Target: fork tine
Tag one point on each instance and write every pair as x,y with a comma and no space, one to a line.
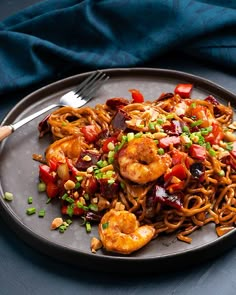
89,83
83,84
85,97
97,84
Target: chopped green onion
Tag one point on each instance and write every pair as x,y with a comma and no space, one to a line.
31,211
201,140
130,136
208,145
97,171
69,200
221,173
110,160
111,181
122,185
196,123
48,200
105,225
193,105
79,178
170,116
118,147
77,185
138,135
64,196
185,129
151,126
229,146
102,163
206,131
109,174
82,206
93,207
111,146
140,126
194,134
105,163
88,227
187,145
62,228
212,152
41,213
99,163
86,196
111,155
160,121
124,138
41,187
69,221
8,196
161,151
70,210
30,200
197,138
156,141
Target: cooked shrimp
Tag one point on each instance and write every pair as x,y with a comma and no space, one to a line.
120,232
69,146
139,161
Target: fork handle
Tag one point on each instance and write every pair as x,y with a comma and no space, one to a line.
5,131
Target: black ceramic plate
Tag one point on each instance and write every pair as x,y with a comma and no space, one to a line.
19,175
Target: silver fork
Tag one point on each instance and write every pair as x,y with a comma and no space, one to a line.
75,98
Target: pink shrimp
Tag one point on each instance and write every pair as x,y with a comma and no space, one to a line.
121,232
139,161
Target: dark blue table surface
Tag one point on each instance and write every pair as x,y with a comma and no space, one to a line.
24,270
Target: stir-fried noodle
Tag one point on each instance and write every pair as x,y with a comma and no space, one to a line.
171,162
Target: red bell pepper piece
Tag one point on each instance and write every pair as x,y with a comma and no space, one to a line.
71,167
197,152
177,157
90,133
167,141
178,171
45,174
184,90
136,95
53,164
52,190
216,135
105,148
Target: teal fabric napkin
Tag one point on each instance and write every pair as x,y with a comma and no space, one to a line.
54,39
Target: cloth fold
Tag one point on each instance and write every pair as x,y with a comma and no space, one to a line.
54,39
